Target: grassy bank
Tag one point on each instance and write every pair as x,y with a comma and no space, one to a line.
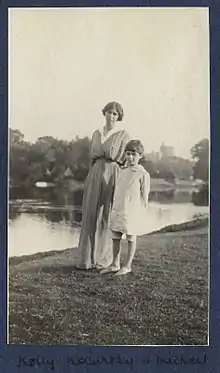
163,301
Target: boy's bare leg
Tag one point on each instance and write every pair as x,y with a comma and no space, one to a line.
115,266
131,252
116,253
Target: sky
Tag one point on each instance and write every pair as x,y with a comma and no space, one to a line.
65,64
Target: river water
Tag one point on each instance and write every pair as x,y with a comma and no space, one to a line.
52,229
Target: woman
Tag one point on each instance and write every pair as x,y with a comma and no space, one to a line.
107,152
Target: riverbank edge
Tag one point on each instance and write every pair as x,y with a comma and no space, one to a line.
173,228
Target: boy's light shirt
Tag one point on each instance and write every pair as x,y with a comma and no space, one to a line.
132,168
136,168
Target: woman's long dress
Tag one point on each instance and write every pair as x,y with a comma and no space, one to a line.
98,196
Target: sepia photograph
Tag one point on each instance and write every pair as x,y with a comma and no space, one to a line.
108,178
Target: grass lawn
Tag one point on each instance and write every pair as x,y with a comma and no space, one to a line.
163,301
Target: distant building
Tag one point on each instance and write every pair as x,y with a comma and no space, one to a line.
166,151
153,156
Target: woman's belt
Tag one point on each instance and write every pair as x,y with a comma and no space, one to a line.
110,160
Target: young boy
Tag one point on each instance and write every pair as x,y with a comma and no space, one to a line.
129,206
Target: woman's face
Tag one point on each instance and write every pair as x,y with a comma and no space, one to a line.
111,118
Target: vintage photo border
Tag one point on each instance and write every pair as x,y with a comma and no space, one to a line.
116,358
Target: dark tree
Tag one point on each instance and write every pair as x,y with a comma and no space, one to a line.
200,153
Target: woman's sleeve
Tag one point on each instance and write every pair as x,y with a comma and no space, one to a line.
96,148
145,188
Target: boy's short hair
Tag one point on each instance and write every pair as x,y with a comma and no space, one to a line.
135,146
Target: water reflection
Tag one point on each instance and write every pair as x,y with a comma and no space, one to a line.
32,233
64,195
13,214
70,216
51,227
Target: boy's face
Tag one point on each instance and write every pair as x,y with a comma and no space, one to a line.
132,157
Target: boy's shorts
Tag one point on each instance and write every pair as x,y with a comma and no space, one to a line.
118,236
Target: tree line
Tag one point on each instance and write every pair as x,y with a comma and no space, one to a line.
51,159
